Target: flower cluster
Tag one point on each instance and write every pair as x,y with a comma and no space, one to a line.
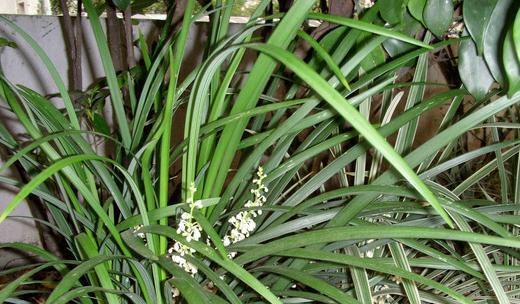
190,230
382,298
243,223
366,3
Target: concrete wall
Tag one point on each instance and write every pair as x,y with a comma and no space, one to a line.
26,7
8,7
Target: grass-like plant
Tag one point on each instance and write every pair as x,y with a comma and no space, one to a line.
287,189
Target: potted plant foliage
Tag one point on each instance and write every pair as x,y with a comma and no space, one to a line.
299,177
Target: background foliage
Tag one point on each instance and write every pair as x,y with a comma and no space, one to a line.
355,209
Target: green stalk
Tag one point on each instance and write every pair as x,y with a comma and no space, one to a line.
175,65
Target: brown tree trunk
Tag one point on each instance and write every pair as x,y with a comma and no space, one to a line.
73,40
114,37
178,14
78,43
129,42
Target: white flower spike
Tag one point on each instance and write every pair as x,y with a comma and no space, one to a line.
243,223
190,230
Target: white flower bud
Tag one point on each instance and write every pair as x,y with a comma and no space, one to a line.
366,3
243,222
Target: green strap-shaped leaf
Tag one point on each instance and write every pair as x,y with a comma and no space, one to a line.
351,115
375,266
485,263
323,54
359,278
64,163
90,249
85,290
368,27
8,289
247,99
311,281
21,153
364,232
71,278
232,267
51,68
108,66
159,213
401,260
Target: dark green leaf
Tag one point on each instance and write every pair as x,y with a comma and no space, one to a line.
6,42
511,65
100,124
493,38
473,70
477,14
395,47
516,34
368,27
392,10
416,8
438,15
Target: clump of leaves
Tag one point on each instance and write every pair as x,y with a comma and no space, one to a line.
348,216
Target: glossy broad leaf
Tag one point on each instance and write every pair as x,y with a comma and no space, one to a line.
395,47
516,34
392,11
511,65
493,38
473,70
416,8
438,15
477,14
